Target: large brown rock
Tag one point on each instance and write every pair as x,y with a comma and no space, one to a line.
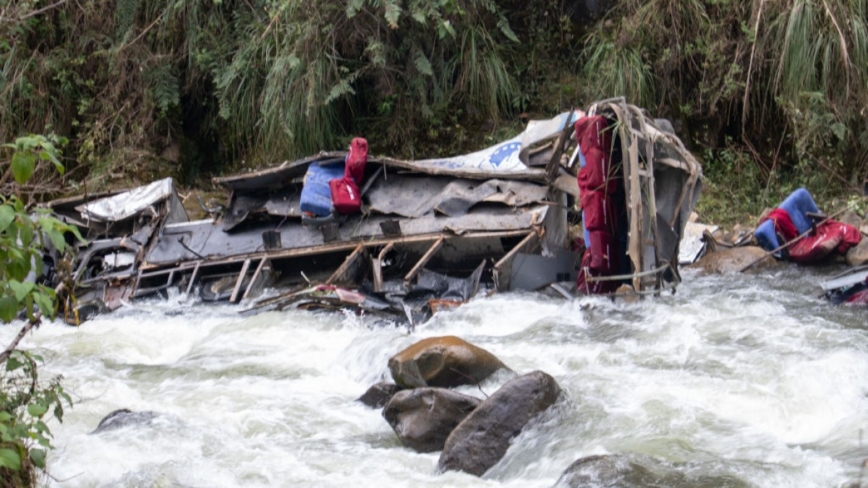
735,259
378,395
481,440
442,361
424,417
858,254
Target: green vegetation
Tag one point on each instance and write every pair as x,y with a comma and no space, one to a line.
26,403
770,95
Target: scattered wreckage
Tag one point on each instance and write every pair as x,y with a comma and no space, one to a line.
405,238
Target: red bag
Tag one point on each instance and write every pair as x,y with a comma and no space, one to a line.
357,158
346,197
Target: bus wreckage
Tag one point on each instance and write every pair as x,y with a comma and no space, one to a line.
341,230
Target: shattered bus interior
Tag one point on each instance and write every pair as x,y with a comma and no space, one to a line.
423,236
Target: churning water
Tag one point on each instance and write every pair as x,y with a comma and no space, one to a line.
747,377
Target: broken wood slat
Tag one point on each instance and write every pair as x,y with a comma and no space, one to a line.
423,260
241,275
503,268
252,284
350,265
377,267
136,284
193,277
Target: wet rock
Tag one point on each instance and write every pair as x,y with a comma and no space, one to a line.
123,417
424,417
735,259
626,472
442,361
481,440
604,470
858,254
379,394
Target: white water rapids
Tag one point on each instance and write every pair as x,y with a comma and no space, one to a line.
747,376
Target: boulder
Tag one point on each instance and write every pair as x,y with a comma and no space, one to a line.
631,471
858,254
379,394
735,259
481,440
124,417
442,361
602,470
424,417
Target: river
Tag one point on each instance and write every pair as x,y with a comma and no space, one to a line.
751,377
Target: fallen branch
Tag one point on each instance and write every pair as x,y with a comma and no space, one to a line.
21,333
37,319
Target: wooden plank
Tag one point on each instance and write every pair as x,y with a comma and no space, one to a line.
193,277
241,275
423,260
377,267
503,268
342,274
262,263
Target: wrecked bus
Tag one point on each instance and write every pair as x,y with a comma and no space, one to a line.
427,234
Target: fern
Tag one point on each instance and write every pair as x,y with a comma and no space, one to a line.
163,84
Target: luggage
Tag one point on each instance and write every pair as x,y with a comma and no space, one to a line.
345,194
334,188
316,196
357,158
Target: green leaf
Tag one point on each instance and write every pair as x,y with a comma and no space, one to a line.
504,27
25,233
7,215
422,64
5,416
10,459
353,7
38,457
45,304
13,363
22,166
36,409
56,238
20,289
8,309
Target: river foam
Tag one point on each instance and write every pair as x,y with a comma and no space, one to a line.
749,377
